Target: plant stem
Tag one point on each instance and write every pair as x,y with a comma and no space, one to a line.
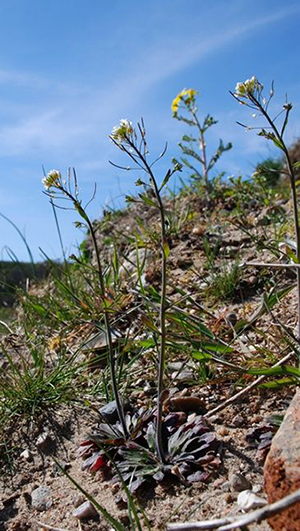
162,313
116,394
202,147
108,333
293,189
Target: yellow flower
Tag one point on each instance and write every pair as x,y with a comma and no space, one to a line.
52,179
187,95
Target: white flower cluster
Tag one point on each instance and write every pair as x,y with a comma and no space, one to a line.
248,87
52,178
123,131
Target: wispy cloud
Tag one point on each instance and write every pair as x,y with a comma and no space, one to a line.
77,114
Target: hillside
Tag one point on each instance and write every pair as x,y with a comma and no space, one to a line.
152,380
218,329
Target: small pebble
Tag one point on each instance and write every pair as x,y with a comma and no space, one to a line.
198,231
249,500
238,483
238,420
186,403
257,488
256,419
226,486
41,498
115,488
85,511
223,431
228,497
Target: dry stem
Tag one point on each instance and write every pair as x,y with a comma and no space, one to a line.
246,390
227,524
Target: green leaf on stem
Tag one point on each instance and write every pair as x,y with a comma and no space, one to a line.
166,249
147,200
166,179
276,371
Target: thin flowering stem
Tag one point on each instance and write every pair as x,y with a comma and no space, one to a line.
127,141
162,316
251,90
55,181
202,146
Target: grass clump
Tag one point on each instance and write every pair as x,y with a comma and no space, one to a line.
224,282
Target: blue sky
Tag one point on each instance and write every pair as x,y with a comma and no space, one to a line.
70,69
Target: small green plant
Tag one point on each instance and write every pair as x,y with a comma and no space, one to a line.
250,93
193,148
34,381
190,450
224,282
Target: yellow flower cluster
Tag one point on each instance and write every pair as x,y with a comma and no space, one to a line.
248,87
187,95
52,179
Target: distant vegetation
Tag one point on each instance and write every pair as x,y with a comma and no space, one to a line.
14,275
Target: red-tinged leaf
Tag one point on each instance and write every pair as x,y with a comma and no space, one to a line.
85,449
86,442
100,462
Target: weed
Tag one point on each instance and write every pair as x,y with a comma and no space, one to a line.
250,93
57,187
196,162
34,381
224,282
126,138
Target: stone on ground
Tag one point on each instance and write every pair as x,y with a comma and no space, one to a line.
282,468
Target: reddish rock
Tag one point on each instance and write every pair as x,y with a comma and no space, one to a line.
282,468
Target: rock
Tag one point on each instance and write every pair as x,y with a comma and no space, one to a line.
226,486
27,455
238,420
41,498
222,431
238,483
85,511
99,341
248,500
282,468
228,498
110,413
185,375
186,403
80,499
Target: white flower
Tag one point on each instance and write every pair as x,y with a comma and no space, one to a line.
52,179
248,87
123,131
